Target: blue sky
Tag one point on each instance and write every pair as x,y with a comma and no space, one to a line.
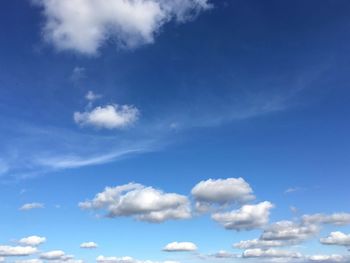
174,131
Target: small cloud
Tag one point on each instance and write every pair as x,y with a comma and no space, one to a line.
32,241
336,238
111,116
88,245
270,253
17,251
91,96
292,190
31,206
78,74
180,247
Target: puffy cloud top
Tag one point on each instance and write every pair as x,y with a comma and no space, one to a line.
32,241
88,245
144,203
84,25
110,116
336,238
222,191
246,218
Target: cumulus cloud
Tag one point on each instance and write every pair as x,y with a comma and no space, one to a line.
336,238
32,241
109,117
289,231
339,219
33,260
328,258
246,218
143,203
91,96
85,25
223,254
270,253
31,206
88,245
15,251
258,243
180,246
55,255
221,191
103,259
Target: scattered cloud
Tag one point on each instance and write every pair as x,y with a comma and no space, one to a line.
78,74
53,255
85,25
180,247
339,219
270,253
32,241
292,190
111,116
103,259
16,251
91,96
88,245
223,254
143,203
246,218
258,243
31,206
289,231
336,238
33,260
221,191
329,258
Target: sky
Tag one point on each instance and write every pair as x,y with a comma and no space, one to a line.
168,131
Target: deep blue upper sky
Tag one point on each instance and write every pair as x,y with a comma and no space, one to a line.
244,88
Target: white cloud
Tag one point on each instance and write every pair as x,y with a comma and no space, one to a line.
270,253
258,243
329,258
2,259
336,238
32,241
8,251
109,117
91,96
223,254
33,260
221,191
103,259
339,219
31,206
143,203
246,218
85,25
180,246
289,231
54,255
88,245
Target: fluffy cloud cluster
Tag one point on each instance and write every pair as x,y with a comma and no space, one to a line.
258,243
84,25
15,251
221,191
180,246
246,218
32,241
144,203
336,238
110,116
329,258
31,206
